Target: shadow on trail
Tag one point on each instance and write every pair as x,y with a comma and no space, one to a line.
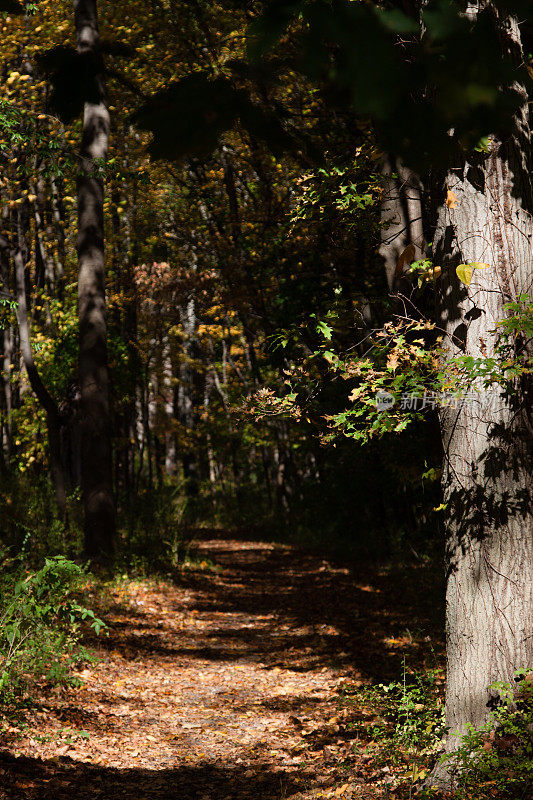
278,607
213,671
35,779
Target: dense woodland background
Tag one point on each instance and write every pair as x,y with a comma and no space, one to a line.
219,269
225,230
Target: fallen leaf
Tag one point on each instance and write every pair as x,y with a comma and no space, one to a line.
404,259
85,674
392,361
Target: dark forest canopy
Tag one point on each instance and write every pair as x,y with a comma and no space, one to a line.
267,267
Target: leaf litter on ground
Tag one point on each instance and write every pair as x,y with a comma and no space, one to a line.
227,684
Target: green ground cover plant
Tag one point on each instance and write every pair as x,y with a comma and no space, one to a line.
41,624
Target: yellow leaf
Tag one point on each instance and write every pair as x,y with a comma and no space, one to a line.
464,273
480,265
451,199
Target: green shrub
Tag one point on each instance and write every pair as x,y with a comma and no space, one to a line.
497,759
414,710
29,521
40,625
407,725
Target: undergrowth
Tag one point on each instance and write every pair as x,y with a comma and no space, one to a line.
402,727
496,761
406,726
41,624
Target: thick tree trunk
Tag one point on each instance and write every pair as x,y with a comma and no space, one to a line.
489,599
97,476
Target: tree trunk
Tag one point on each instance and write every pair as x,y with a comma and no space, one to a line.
489,598
7,357
97,474
186,399
53,418
401,217
58,217
7,371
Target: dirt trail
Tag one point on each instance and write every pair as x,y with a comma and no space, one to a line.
222,687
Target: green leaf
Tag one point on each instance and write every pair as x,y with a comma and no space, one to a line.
464,273
325,329
398,22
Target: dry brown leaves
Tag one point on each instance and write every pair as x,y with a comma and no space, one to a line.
223,687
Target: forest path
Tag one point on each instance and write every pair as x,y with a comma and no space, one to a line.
224,687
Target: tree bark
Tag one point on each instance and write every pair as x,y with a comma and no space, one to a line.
401,216
58,216
96,472
7,364
53,417
7,356
186,398
489,598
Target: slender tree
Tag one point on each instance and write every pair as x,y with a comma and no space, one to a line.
53,416
96,472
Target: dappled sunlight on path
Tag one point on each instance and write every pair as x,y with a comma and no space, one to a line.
222,686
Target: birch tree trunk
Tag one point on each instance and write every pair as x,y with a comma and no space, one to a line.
489,599
96,472
186,395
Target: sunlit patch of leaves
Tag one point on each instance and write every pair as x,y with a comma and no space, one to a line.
404,361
